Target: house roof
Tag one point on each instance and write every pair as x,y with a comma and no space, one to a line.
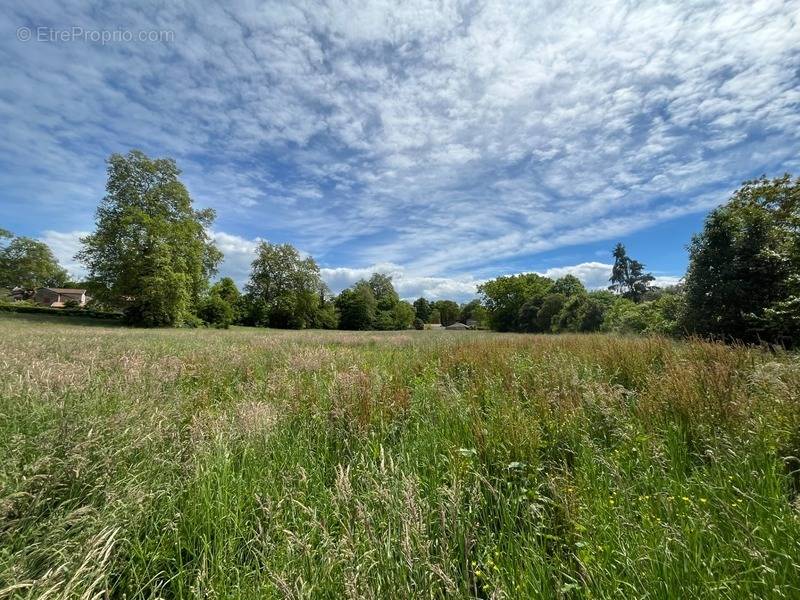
457,326
66,290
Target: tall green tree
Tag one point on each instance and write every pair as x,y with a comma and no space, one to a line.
448,311
505,296
552,304
743,280
423,309
628,277
28,263
225,289
285,289
383,290
568,286
150,252
357,307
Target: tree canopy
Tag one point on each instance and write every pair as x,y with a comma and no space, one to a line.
28,263
373,304
150,252
286,289
628,278
505,296
743,280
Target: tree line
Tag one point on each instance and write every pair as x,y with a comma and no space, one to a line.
151,257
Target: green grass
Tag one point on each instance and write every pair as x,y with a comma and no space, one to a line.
257,464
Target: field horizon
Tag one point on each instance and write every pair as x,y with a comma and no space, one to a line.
260,463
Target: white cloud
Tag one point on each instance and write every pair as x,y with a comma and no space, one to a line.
595,275
444,137
65,245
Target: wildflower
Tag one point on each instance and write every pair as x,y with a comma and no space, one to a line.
703,500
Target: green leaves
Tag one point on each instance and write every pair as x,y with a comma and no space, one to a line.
150,253
29,264
745,266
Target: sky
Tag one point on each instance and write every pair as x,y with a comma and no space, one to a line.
444,143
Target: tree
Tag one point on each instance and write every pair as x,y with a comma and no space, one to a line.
581,313
549,310
568,286
628,277
423,309
373,304
28,264
226,290
403,315
285,290
527,320
357,307
743,280
150,252
448,311
383,290
504,297
474,311
215,311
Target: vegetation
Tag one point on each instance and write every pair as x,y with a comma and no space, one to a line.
28,264
151,257
628,278
374,304
269,464
744,273
286,290
150,252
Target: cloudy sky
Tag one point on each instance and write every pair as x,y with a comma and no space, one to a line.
444,142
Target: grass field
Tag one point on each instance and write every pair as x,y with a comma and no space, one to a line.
256,463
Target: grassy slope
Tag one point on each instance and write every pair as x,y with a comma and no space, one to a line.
257,464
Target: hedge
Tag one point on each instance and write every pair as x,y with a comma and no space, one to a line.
60,312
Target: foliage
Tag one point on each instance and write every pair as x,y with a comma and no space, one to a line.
659,316
743,280
373,304
28,263
330,464
474,311
505,296
285,290
150,252
215,311
403,315
26,308
568,286
382,288
422,309
448,310
357,307
628,277
550,308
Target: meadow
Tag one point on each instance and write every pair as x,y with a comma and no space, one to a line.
253,463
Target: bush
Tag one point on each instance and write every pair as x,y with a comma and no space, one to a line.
215,312
26,308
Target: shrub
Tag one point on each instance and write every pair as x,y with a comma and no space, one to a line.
216,312
26,308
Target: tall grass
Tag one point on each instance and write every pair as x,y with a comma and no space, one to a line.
258,464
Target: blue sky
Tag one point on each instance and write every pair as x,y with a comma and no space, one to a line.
442,142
